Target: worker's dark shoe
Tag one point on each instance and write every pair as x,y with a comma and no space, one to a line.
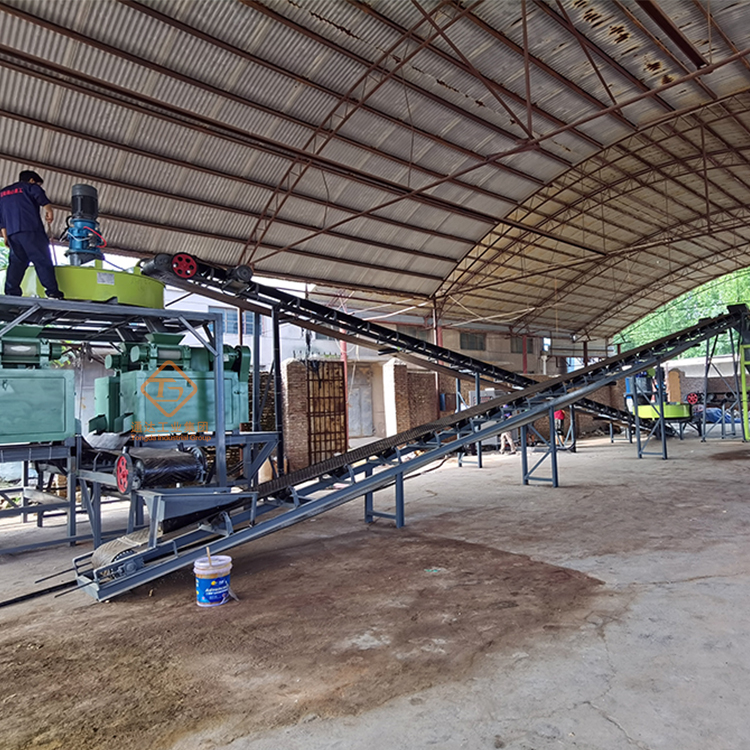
55,295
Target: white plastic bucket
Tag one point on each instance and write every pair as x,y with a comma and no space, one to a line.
212,580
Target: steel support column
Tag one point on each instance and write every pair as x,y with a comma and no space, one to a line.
256,415
278,398
660,397
478,391
572,429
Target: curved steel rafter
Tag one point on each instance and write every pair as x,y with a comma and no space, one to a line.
564,217
573,165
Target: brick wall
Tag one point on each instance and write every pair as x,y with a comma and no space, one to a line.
422,398
587,424
396,396
296,431
696,385
611,395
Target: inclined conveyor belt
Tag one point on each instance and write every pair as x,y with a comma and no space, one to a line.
297,496
338,324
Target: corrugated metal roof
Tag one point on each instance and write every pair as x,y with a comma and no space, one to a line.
193,117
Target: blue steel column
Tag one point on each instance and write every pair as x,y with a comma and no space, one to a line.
277,385
220,427
736,365
705,389
70,469
662,423
735,373
553,445
96,502
369,517
478,388
637,418
256,372
460,454
255,414
524,456
572,448
400,518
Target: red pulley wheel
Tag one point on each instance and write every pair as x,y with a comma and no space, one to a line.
693,398
122,474
184,265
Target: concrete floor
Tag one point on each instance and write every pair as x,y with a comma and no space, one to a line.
658,658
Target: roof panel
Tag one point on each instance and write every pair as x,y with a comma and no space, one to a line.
603,232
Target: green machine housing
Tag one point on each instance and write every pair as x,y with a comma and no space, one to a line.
37,399
163,387
95,283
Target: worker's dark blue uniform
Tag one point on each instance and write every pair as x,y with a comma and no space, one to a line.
19,214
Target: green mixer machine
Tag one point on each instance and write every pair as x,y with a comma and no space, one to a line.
37,399
158,387
163,387
86,278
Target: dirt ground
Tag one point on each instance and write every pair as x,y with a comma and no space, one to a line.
322,628
482,624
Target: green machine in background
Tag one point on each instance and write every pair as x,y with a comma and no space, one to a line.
164,387
37,400
672,411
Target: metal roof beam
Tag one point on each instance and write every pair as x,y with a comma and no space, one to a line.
532,144
709,16
214,173
336,118
200,34
182,198
571,28
164,71
467,67
614,256
634,296
653,10
572,286
240,240
485,261
665,23
466,114
174,115
550,71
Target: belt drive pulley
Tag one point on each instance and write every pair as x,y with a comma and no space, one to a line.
118,550
152,467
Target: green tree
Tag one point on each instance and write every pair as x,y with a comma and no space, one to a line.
706,301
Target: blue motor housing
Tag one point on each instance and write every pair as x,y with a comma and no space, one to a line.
84,235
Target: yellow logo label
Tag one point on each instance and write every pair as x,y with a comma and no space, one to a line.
170,391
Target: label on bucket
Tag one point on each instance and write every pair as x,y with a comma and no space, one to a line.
210,592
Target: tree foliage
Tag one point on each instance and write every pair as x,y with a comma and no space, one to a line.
3,255
705,301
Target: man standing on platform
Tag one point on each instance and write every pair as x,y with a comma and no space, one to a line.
24,233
